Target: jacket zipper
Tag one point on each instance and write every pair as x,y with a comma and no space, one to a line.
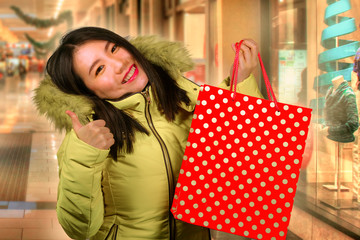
111,230
116,230
169,172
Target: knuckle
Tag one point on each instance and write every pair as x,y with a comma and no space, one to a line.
93,132
102,138
102,144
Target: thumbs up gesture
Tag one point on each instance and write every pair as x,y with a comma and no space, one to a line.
94,133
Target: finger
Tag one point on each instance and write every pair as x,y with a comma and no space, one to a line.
250,43
110,143
246,53
253,48
242,62
242,59
107,143
109,136
253,52
99,123
105,130
233,47
75,120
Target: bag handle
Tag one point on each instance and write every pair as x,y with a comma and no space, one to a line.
266,78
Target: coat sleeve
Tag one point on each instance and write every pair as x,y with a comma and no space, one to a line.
80,206
247,87
352,117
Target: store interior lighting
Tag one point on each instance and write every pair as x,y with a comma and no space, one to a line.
56,14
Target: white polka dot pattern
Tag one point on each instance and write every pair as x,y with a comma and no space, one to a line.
241,164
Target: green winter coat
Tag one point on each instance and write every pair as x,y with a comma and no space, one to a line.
341,115
99,198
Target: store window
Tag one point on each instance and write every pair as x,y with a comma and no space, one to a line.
190,29
289,51
311,56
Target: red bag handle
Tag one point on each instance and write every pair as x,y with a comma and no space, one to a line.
266,78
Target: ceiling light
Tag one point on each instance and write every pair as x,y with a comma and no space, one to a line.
50,31
57,10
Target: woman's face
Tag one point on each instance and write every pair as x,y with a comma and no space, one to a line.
108,70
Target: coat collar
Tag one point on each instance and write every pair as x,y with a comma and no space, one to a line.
332,97
331,92
134,102
51,102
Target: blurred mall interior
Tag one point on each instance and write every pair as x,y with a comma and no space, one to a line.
304,45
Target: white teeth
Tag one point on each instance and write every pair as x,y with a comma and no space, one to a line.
130,74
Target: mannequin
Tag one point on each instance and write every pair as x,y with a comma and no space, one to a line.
336,81
341,115
341,121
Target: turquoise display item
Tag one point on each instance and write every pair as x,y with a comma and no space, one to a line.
336,49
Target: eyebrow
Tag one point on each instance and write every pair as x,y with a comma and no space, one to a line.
97,60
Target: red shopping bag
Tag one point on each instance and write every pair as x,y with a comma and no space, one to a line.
241,163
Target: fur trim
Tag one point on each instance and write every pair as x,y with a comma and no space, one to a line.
171,56
51,102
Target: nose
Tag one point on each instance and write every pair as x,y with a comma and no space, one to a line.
118,66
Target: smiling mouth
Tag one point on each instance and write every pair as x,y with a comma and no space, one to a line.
131,74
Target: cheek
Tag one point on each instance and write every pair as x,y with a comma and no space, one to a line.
106,85
100,86
143,76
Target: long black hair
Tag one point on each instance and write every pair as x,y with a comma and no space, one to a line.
61,70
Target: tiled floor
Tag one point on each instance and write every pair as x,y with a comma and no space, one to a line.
35,218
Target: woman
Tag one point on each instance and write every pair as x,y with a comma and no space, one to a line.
130,111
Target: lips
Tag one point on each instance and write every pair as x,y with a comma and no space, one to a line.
131,74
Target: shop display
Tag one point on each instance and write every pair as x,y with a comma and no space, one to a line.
341,121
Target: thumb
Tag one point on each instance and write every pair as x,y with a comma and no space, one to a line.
233,47
75,120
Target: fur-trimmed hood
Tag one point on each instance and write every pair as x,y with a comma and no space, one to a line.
50,101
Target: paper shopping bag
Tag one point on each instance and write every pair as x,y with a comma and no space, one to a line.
241,164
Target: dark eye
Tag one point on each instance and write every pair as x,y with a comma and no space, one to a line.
98,70
114,48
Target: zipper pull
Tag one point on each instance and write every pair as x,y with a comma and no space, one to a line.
146,94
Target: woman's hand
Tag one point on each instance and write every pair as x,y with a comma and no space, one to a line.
94,133
248,59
